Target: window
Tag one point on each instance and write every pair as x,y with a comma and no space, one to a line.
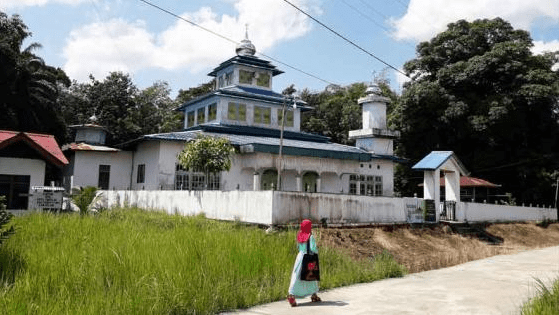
104,177
378,185
220,82
201,115
190,180
288,118
245,77
141,176
262,115
365,185
190,119
212,112
236,111
229,78
263,79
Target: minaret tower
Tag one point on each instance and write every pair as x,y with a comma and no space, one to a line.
375,137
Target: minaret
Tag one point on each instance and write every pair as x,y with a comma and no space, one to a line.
91,133
374,137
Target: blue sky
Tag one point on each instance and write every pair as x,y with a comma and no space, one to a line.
97,36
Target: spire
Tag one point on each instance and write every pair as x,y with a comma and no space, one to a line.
245,48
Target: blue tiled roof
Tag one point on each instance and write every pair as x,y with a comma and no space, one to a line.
246,60
436,159
270,144
247,92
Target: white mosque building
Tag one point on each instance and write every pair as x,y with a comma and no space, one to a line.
244,109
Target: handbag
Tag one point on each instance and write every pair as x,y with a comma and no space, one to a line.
310,270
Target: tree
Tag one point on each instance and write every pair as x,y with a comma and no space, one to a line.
207,154
28,87
192,93
479,91
335,113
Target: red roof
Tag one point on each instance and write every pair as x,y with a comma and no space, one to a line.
466,181
46,145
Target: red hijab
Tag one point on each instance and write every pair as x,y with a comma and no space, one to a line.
305,231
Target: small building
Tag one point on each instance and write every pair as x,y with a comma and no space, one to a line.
91,163
27,160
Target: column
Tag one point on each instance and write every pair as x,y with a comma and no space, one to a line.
256,181
318,183
299,182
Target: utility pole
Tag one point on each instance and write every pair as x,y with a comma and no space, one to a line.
280,156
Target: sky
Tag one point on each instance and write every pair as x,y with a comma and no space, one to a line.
95,37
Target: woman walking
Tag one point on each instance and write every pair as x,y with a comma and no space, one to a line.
300,288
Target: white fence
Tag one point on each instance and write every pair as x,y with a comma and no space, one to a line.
274,207
481,212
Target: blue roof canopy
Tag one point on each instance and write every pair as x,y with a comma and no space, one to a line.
436,159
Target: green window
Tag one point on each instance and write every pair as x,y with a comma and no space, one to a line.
236,111
245,77
229,78
212,112
201,115
288,118
262,115
190,119
263,79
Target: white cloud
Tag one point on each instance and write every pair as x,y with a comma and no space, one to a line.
541,47
129,46
426,18
5,4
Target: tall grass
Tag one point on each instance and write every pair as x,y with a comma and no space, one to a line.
546,303
128,261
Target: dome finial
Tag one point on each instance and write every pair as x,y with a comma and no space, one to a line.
245,47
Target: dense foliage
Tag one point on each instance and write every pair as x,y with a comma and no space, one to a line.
335,112
478,90
5,217
28,87
207,154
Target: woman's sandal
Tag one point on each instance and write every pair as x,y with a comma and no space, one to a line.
291,300
315,298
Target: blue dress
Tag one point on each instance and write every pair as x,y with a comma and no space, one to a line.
297,287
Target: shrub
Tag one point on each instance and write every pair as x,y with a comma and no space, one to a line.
84,198
5,217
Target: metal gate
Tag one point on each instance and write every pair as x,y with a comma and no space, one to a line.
448,210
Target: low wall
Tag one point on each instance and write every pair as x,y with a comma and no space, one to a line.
246,206
342,209
481,212
264,207
277,207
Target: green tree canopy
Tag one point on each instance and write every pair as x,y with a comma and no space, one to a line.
28,87
335,113
207,154
478,90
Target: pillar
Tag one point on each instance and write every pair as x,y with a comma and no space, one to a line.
256,181
318,183
299,182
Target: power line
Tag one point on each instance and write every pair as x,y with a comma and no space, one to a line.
372,20
346,39
230,40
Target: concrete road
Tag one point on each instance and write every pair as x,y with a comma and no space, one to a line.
496,285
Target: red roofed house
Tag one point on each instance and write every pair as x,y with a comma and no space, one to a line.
27,160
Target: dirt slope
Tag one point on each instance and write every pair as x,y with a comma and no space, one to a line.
422,248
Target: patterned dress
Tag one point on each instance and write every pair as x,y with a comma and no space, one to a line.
297,287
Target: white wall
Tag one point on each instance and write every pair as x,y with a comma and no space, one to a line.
247,206
481,212
32,167
86,168
275,207
292,207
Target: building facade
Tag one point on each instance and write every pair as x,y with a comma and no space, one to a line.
261,123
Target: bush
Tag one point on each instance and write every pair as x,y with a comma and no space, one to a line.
5,217
84,198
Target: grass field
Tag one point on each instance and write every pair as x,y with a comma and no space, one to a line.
129,261
546,303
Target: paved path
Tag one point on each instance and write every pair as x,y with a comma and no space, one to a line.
496,285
